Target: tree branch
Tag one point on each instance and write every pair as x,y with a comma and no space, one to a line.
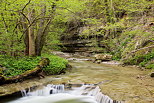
30,24
22,10
26,5
25,17
152,46
47,26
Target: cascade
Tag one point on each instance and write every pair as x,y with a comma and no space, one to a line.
47,90
63,94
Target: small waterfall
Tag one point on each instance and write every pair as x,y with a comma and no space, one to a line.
46,90
23,92
95,91
66,94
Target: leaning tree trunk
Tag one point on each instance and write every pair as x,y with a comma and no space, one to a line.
40,34
43,31
41,41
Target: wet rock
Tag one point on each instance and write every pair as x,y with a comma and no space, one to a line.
102,57
72,59
112,62
152,74
69,67
98,61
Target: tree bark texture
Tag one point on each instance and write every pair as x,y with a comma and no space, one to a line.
26,36
31,35
40,34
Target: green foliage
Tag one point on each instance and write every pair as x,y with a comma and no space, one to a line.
14,13
149,66
135,39
116,56
141,60
109,17
57,64
17,66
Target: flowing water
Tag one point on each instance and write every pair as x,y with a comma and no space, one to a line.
86,93
128,84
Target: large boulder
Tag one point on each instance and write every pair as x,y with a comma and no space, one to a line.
102,57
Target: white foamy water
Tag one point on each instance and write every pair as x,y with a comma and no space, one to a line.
57,94
56,98
45,91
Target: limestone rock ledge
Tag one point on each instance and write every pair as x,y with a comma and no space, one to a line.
8,89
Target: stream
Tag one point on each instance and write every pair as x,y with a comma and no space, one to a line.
70,93
127,84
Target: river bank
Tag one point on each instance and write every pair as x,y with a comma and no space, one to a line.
129,84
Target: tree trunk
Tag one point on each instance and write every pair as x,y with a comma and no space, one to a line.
31,35
26,36
35,42
38,41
